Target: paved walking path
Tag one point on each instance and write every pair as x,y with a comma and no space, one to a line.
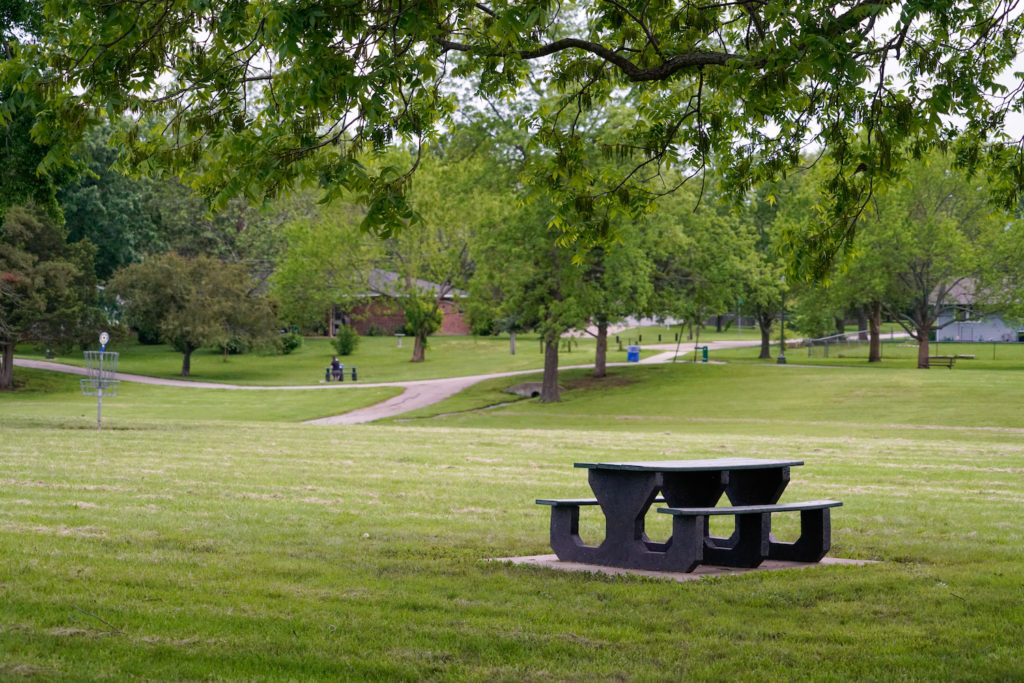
416,394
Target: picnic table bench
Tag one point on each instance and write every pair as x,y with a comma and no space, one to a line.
948,361
692,489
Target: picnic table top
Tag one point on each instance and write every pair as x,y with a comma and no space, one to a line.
710,464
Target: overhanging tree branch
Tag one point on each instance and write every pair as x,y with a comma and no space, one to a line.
635,73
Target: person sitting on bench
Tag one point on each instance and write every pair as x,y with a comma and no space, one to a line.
336,368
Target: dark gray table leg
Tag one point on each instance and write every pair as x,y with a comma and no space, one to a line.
747,547
625,498
814,542
693,489
565,533
756,487
746,487
686,549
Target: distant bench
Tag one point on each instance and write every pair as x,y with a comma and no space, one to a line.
948,361
328,376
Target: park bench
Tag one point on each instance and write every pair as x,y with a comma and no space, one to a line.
341,375
753,542
948,361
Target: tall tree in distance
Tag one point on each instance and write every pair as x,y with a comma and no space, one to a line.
776,211
619,284
129,218
422,319
701,258
529,277
110,209
326,262
47,288
194,302
930,235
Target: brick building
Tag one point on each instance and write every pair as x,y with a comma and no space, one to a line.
379,308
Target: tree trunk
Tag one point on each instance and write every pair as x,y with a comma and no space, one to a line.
922,321
186,361
764,323
863,322
875,323
601,355
922,346
7,366
419,349
840,325
718,323
549,386
512,342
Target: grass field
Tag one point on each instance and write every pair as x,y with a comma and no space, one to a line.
378,359
186,544
896,353
48,397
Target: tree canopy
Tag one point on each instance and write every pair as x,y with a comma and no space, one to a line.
295,90
930,239
47,287
193,302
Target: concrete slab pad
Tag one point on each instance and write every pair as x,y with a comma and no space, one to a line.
702,571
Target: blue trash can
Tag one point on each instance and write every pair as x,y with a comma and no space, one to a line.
632,353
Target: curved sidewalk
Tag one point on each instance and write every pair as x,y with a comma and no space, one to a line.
416,394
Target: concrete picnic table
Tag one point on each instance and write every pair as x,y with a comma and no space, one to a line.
692,489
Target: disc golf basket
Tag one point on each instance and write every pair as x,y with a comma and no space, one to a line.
101,367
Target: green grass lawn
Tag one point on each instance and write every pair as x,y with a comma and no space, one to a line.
650,334
752,398
896,353
185,544
47,397
378,359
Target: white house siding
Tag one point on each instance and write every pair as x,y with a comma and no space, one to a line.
984,330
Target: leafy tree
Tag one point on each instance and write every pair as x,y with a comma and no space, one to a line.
926,237
455,196
242,231
529,278
775,211
291,89
701,258
422,319
330,260
326,261
111,209
129,218
619,284
47,287
22,177
194,302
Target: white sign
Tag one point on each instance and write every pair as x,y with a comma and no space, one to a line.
104,338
